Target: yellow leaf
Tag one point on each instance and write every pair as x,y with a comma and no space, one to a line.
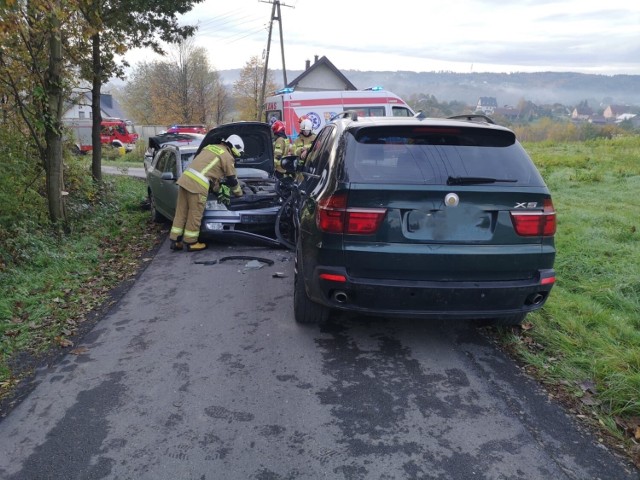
64,342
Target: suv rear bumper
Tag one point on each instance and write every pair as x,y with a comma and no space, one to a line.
431,299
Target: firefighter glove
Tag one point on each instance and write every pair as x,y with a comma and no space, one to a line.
224,195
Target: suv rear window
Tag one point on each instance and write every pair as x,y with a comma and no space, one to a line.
433,154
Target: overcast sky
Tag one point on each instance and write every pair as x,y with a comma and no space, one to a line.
587,36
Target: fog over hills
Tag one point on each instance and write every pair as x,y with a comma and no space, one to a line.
508,88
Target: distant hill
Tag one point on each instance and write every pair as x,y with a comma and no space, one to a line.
508,88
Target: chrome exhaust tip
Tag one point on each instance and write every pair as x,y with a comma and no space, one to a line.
535,299
340,297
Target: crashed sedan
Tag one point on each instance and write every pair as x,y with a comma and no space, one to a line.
250,217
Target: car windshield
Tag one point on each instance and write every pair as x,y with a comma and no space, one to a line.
437,154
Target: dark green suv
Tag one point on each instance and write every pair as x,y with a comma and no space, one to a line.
423,218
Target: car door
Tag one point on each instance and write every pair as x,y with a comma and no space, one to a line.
162,181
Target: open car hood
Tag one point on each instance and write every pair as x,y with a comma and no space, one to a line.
258,146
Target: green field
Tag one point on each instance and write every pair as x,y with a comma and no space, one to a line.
586,340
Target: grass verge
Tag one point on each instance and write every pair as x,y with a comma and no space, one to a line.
584,345
55,286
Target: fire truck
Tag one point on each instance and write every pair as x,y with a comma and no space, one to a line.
320,107
113,131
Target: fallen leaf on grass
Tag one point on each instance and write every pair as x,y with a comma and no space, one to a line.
526,326
64,342
79,350
589,400
588,386
630,425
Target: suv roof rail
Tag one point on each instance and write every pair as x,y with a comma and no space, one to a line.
473,117
352,114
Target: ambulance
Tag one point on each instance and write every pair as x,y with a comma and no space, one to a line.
320,107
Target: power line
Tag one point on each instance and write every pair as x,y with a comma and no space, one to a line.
275,7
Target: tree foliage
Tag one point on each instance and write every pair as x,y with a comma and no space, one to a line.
34,82
43,43
431,107
111,28
182,89
248,89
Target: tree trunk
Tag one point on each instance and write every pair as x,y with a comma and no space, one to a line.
96,158
53,131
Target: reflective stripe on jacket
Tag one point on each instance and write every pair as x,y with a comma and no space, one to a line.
210,165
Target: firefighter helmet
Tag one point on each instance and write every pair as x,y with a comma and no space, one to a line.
306,126
277,127
236,144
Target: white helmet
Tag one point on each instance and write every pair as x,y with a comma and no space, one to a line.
306,126
236,144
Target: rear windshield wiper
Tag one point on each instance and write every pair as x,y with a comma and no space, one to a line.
476,180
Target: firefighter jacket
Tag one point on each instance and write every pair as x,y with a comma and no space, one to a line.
280,148
212,164
301,143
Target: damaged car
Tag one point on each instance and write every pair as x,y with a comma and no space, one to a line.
250,217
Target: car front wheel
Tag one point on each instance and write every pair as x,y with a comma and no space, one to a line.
304,310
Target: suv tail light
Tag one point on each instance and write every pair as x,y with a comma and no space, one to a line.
534,224
334,216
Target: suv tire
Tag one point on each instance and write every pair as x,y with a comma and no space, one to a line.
304,310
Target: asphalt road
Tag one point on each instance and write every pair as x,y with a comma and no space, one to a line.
200,372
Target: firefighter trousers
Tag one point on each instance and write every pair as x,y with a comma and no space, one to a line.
186,222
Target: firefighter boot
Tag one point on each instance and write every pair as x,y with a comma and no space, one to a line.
175,245
196,247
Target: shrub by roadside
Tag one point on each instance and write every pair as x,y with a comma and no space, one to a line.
54,286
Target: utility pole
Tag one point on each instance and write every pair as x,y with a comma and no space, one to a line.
278,17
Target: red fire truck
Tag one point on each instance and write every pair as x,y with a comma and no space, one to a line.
319,107
113,131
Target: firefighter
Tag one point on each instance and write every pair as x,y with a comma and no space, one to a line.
205,172
302,144
280,145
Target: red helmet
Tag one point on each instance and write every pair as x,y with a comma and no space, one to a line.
277,127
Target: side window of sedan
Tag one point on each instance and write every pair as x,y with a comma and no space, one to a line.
162,161
170,166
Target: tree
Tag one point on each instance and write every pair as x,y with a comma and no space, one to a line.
113,27
221,104
33,33
181,89
248,87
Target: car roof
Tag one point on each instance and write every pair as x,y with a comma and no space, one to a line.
351,120
180,147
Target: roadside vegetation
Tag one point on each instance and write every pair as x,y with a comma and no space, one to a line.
55,285
584,345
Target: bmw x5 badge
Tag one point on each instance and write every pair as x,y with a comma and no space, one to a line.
451,200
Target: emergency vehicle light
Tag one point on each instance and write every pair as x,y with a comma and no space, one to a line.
284,90
375,89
